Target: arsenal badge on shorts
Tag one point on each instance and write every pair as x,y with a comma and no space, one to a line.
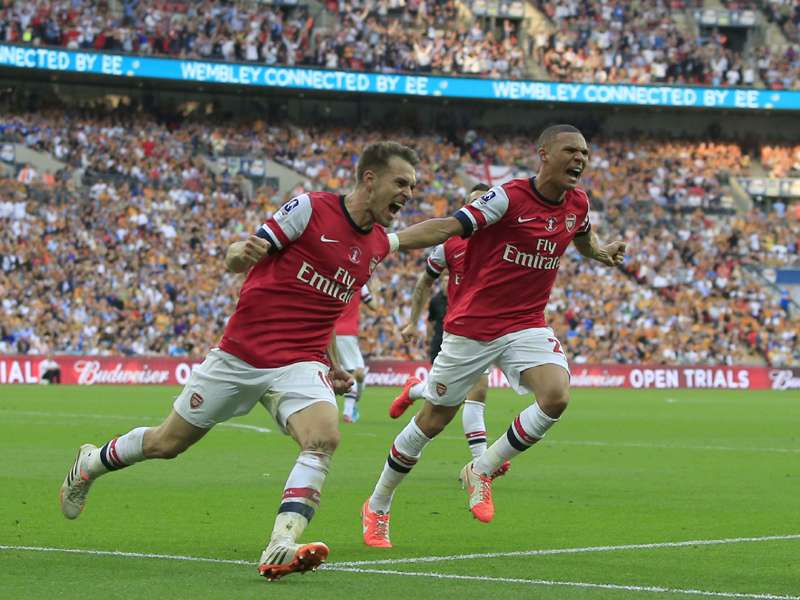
196,400
441,389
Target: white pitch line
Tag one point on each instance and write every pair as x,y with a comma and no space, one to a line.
246,427
343,569
72,415
586,549
645,445
149,419
572,584
122,554
671,447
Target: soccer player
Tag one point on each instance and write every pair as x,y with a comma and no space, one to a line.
519,231
49,371
303,267
448,256
349,353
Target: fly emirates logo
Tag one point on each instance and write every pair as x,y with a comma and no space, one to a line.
340,287
543,259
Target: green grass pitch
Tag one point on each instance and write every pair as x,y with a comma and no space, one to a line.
623,468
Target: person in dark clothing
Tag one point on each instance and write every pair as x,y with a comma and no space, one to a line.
437,310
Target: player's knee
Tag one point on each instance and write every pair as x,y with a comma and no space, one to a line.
554,401
358,375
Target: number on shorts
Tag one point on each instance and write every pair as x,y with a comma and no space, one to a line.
556,345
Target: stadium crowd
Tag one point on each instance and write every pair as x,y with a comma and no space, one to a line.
594,40
132,262
605,42
781,161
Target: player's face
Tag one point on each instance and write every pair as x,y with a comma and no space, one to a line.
390,189
565,159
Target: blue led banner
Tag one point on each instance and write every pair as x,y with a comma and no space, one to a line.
253,74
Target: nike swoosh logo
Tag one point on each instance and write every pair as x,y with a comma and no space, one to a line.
459,254
322,238
521,220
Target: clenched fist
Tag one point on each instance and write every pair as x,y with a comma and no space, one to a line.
341,381
612,254
409,332
241,256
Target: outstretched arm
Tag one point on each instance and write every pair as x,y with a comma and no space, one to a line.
422,292
611,254
429,233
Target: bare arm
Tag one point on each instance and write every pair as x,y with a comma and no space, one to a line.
422,292
429,233
611,254
241,256
372,303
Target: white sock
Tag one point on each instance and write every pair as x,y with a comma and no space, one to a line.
117,453
404,454
350,399
527,429
301,495
415,391
474,426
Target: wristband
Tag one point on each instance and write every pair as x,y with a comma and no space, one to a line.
394,242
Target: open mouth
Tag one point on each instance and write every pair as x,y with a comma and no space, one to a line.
574,172
396,207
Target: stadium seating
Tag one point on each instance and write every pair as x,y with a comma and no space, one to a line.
157,218
591,41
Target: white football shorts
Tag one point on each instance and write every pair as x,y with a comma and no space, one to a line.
224,386
349,352
462,361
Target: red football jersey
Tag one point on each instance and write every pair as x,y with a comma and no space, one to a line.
291,300
450,256
348,322
518,238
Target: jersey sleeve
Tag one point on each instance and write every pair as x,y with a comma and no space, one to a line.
436,262
366,295
586,225
288,223
484,211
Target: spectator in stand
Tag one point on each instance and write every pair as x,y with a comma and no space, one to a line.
145,278
781,161
594,41
49,371
604,42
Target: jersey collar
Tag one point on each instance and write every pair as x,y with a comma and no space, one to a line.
353,224
541,198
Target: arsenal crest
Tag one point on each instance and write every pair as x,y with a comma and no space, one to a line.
441,389
570,221
551,223
196,400
355,254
